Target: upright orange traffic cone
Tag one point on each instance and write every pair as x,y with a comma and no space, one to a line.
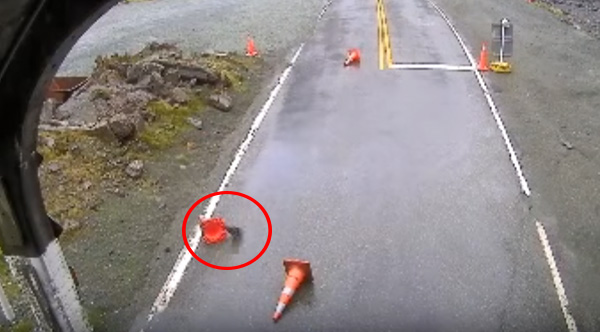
250,48
483,58
352,57
297,272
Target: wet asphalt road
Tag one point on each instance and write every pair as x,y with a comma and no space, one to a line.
395,185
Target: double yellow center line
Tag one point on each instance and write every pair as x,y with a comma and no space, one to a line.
383,37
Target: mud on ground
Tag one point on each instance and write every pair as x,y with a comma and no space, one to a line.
119,221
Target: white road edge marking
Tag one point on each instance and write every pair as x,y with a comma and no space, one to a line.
431,66
490,101
558,284
184,258
557,280
324,10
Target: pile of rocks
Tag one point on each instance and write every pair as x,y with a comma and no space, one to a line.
115,98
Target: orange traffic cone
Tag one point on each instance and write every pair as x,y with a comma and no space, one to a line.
483,58
297,272
213,230
352,57
250,49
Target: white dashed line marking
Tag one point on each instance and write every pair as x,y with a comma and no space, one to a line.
490,101
184,258
560,289
557,280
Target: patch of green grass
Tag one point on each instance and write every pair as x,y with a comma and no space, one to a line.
101,94
77,155
84,158
11,288
24,325
96,318
232,68
170,122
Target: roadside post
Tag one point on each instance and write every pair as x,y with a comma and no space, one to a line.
502,46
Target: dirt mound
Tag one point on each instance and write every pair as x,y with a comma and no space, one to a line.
131,109
115,99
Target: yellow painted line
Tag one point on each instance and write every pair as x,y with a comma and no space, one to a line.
383,38
386,39
380,37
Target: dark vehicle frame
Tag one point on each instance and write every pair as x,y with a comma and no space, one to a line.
35,37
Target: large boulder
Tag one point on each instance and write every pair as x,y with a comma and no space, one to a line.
140,70
197,74
221,101
179,95
122,127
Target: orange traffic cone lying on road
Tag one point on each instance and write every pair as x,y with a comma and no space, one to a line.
297,272
214,230
483,59
250,48
352,57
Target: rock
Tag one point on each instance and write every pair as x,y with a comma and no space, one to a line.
201,75
134,73
109,77
221,101
53,167
152,67
197,123
148,116
139,70
153,83
172,76
162,206
101,93
47,141
179,96
121,127
135,169
119,193
69,225
80,107
138,122
48,109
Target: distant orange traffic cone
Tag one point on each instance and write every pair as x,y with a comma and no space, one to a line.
250,48
213,230
483,58
352,57
297,272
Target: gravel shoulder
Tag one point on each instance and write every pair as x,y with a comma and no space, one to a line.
582,14
126,247
195,25
550,107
